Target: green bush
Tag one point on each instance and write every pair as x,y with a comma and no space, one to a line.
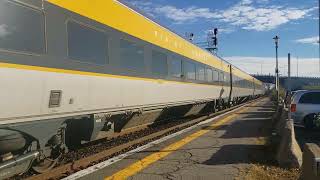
282,94
316,120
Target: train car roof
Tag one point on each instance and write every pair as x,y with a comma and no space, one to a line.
112,13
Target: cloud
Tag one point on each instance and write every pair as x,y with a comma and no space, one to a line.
185,14
251,16
246,14
226,30
311,40
307,67
4,31
220,30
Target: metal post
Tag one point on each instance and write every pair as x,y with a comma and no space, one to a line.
297,66
276,39
289,85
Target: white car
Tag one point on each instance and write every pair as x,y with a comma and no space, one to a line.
304,105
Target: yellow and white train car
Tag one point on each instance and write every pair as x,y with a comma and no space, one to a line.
71,71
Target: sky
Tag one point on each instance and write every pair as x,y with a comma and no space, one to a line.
246,30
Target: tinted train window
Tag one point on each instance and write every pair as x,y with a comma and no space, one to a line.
310,98
200,73
176,68
159,63
209,75
86,44
235,80
131,55
221,77
215,76
190,70
227,77
21,28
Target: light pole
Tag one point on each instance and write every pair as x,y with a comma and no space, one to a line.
276,40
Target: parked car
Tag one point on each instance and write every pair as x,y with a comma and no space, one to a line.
304,105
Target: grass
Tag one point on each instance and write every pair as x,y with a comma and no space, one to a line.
266,172
311,87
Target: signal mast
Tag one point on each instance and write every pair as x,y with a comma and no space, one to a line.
212,41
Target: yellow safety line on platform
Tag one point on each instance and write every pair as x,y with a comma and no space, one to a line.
144,163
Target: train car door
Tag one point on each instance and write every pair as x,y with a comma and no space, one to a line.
230,83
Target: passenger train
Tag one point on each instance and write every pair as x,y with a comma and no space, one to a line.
73,71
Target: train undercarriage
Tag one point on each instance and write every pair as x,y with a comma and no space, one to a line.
39,144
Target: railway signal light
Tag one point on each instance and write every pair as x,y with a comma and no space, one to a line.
215,31
212,41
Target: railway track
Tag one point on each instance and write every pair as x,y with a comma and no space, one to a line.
93,153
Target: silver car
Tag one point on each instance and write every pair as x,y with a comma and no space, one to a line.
303,105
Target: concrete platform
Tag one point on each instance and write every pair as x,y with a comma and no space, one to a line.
213,151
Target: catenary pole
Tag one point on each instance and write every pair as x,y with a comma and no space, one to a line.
289,85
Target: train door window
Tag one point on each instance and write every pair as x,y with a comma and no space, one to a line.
86,44
21,28
190,70
200,73
131,55
176,68
159,64
209,75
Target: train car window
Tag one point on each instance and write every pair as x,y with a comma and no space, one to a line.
209,75
221,77
131,55
86,44
226,77
236,81
176,68
21,28
215,77
200,73
190,70
159,63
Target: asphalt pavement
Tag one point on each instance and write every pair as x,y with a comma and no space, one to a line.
217,150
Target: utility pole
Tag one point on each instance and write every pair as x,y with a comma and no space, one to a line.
276,40
289,85
297,66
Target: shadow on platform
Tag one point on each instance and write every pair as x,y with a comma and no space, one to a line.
236,154
304,135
